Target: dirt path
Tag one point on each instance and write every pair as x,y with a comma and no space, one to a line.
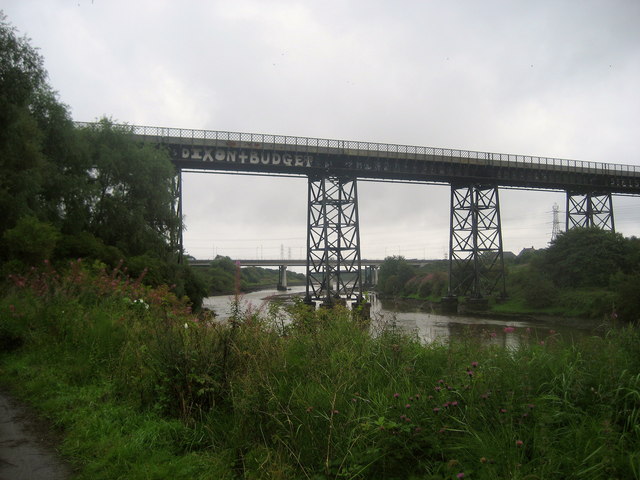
26,445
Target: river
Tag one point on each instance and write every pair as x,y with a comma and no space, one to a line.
430,326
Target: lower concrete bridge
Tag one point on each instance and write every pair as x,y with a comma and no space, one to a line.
371,267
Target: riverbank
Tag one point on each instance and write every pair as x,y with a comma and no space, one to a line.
143,389
511,309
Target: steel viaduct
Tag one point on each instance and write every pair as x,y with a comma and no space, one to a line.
333,167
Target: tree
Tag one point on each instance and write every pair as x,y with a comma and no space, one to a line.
395,272
31,241
585,257
132,195
22,78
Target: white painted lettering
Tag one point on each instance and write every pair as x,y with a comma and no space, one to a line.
255,157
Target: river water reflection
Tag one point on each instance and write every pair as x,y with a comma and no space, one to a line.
417,317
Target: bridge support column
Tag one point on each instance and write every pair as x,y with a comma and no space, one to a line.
592,209
333,241
282,278
476,261
175,238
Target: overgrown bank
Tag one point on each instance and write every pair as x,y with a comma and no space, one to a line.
143,389
584,273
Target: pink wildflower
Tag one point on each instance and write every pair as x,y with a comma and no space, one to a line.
509,329
474,364
519,443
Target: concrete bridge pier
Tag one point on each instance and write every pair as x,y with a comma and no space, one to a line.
370,276
282,278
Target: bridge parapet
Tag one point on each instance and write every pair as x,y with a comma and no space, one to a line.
267,153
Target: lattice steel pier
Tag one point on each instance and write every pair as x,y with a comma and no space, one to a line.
333,241
592,209
476,261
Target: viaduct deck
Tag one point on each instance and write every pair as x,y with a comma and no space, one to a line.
279,154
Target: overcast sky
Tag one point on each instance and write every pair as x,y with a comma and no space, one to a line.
547,77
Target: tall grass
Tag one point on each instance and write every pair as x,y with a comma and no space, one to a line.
144,389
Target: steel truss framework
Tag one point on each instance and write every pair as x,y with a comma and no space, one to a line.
476,261
593,209
176,237
333,241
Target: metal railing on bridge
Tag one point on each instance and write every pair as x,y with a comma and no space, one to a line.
373,149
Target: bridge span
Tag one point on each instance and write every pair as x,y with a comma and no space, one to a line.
370,267
300,262
332,168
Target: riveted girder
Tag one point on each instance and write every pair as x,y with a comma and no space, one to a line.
333,240
476,262
592,209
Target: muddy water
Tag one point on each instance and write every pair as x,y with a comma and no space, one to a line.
428,325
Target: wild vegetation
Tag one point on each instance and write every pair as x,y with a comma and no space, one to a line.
69,192
142,388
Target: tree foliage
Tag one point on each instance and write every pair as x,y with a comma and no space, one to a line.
79,192
395,272
585,257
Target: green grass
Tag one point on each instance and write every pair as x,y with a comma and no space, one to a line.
145,390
